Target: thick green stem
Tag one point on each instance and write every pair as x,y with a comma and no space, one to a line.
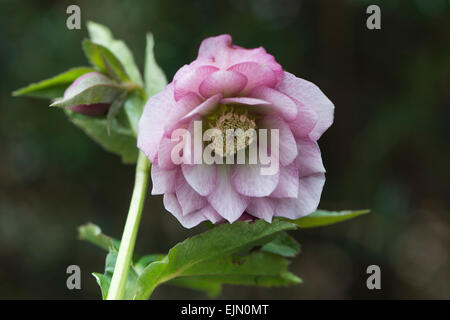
119,279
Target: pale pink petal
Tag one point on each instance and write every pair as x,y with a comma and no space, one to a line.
190,81
153,121
309,192
256,73
228,83
287,147
280,102
305,121
173,206
224,199
187,103
201,177
211,214
245,101
203,109
262,208
311,96
163,181
189,200
288,185
248,180
309,159
165,153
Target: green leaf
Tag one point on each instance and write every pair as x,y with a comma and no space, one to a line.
93,89
220,241
134,105
155,79
102,58
209,286
283,245
93,234
323,218
120,141
102,35
114,109
104,280
53,87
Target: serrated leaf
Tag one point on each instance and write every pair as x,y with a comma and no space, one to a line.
53,87
220,241
121,139
103,59
155,79
323,218
92,89
283,245
103,36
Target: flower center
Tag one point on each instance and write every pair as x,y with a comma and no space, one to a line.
237,129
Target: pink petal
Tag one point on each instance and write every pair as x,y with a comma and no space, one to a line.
163,181
287,145
211,214
280,102
187,103
309,159
153,120
311,96
165,153
201,177
289,181
262,208
245,101
188,198
190,81
173,206
228,83
248,180
305,121
256,73
224,199
204,108
309,192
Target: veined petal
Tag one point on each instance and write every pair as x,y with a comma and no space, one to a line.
190,81
163,181
280,102
188,198
248,180
228,83
201,177
256,73
173,206
289,181
262,208
309,159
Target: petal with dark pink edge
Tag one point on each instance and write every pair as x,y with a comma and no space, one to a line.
309,192
309,159
163,181
280,103
95,109
262,208
201,177
287,146
311,96
153,121
248,180
204,108
189,200
228,83
224,199
191,81
173,206
288,185
256,73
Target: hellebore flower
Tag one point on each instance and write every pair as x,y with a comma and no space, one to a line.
82,84
229,87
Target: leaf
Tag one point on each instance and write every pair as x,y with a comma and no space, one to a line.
102,58
92,89
93,234
155,79
104,280
283,245
133,106
220,241
210,286
323,218
53,87
102,35
114,109
120,141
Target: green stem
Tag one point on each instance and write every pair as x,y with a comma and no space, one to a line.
119,279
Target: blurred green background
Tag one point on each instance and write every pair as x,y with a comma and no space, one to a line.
388,149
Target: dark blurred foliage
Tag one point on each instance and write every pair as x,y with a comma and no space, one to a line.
388,149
